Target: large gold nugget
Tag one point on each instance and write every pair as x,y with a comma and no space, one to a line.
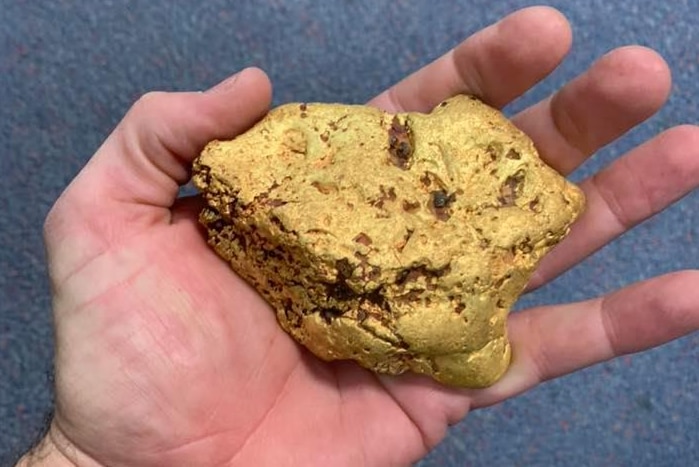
399,241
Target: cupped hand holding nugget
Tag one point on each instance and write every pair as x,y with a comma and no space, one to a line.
165,357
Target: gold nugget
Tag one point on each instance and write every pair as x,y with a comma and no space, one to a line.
398,241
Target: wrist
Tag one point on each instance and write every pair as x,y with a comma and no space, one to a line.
47,453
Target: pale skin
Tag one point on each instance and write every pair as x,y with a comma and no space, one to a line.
165,357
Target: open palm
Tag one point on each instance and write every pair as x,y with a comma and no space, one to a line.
165,357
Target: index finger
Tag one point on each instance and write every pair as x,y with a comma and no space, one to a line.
496,64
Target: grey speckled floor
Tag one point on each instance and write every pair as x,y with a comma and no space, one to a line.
70,69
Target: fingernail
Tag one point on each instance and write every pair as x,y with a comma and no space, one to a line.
226,84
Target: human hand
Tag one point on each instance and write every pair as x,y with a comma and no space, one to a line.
165,357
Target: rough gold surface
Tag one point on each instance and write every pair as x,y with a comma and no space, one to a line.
400,242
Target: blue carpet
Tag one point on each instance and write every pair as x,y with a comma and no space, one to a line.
70,69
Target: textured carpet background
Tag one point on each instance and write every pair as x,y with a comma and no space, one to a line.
70,69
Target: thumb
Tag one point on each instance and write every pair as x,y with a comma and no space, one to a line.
132,181
148,155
